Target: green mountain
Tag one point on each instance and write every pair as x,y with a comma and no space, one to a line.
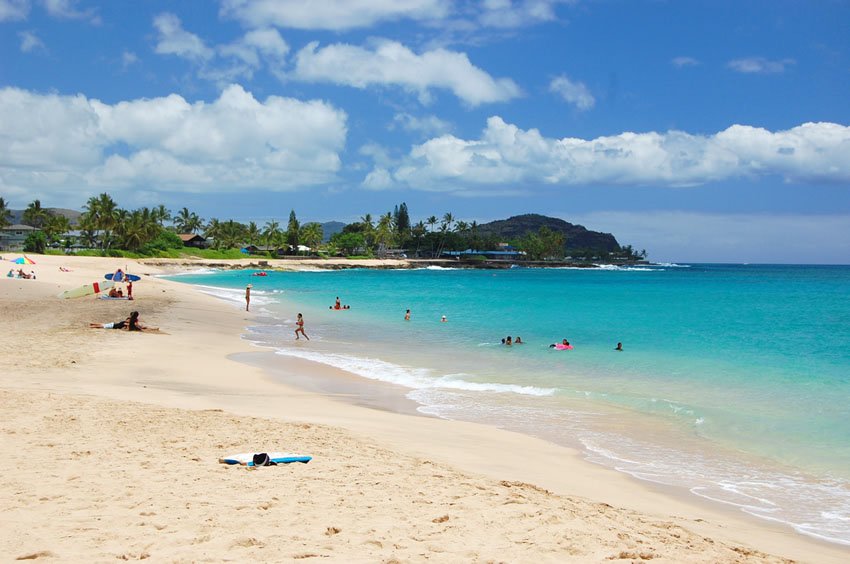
577,237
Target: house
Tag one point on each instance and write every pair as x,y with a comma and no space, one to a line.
12,237
193,240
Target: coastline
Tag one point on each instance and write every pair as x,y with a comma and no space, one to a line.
295,264
359,453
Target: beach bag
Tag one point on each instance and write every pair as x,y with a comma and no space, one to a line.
262,459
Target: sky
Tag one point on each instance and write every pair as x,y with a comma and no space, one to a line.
699,131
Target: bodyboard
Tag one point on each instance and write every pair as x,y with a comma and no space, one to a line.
247,458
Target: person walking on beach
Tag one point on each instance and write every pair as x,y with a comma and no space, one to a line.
247,297
300,328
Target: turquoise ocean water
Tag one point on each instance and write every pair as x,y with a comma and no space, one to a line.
734,382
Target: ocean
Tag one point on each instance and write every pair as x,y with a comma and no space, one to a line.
733,382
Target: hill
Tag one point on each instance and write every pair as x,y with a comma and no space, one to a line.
72,215
331,228
577,237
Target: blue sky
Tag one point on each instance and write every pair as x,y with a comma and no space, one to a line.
700,131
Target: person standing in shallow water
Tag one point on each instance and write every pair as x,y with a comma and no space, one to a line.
247,297
407,315
300,328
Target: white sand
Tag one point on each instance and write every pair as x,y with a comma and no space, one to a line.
110,443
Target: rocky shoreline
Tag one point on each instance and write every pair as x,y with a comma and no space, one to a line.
299,263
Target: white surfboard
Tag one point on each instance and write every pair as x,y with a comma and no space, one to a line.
87,289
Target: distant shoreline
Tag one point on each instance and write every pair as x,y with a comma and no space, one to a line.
298,263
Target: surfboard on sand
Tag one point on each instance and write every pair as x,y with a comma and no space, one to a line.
247,458
121,277
87,289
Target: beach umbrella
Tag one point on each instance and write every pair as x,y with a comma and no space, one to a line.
24,260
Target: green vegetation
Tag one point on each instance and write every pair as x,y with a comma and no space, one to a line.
105,229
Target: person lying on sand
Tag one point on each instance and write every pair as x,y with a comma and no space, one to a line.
130,324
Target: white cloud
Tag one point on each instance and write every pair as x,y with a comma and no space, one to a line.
378,179
759,65
426,125
683,236
67,9
512,14
506,156
576,93
331,14
226,63
11,10
232,143
128,58
393,64
681,62
174,40
30,42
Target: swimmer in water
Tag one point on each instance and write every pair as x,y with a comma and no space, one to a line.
619,347
407,315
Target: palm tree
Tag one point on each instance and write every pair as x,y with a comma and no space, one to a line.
446,224
252,233
133,229
188,222
231,234
161,214
368,230
213,231
445,227
35,215
384,233
431,221
271,232
312,235
56,225
5,213
418,232
102,213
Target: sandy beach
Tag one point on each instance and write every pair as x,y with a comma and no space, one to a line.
112,441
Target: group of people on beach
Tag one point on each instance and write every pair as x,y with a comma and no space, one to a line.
21,274
119,293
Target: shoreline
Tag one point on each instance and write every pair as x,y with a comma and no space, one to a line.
294,264
342,386
190,367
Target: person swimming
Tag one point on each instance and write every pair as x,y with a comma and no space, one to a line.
619,347
518,340
562,346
